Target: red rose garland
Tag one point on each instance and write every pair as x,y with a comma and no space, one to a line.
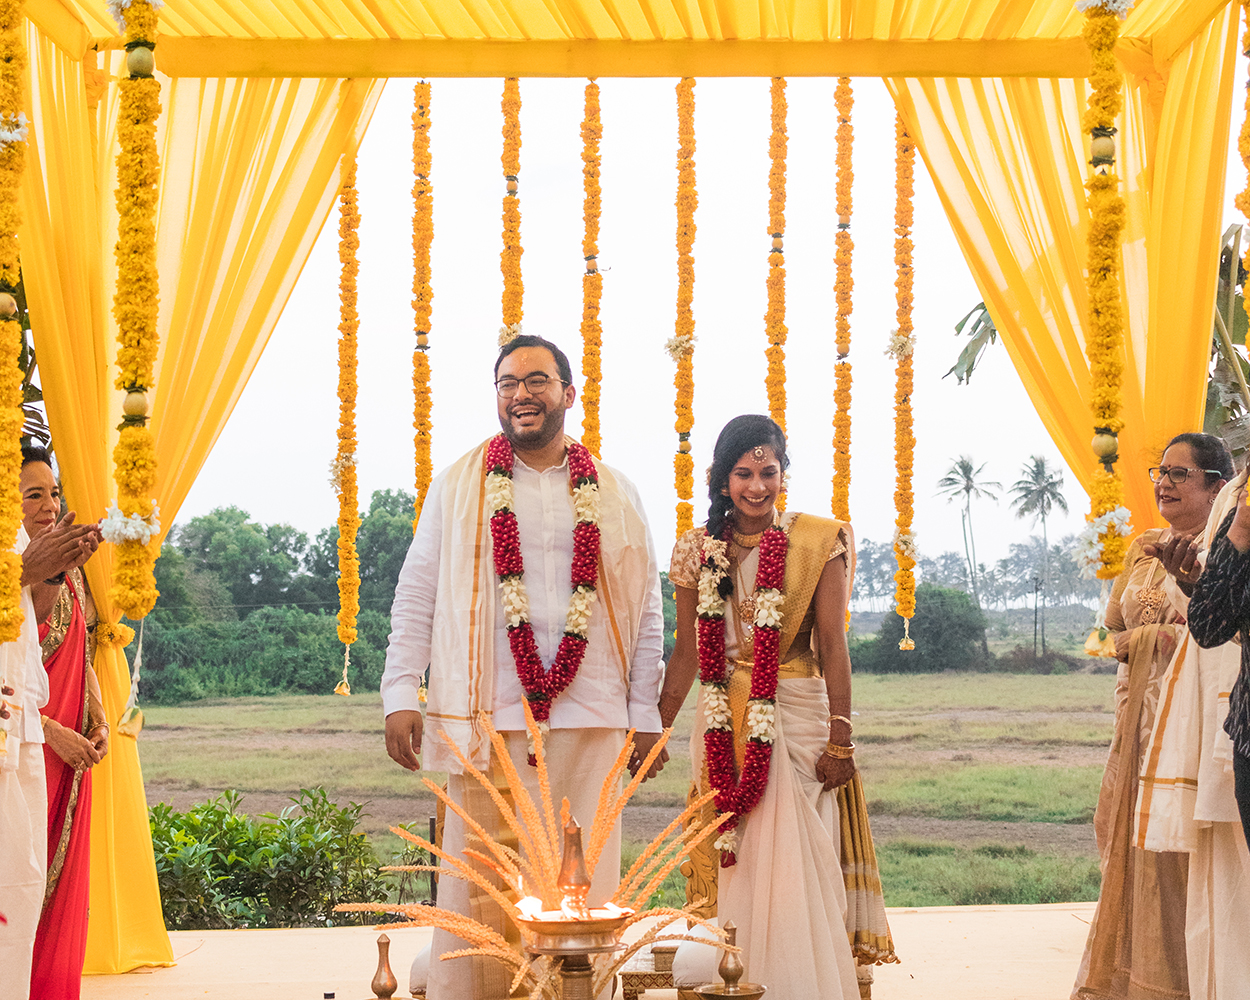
739,794
543,685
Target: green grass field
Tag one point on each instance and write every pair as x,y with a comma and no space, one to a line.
965,748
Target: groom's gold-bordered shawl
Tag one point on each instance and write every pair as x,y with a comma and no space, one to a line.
462,642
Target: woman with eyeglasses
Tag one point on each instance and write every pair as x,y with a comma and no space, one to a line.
1136,943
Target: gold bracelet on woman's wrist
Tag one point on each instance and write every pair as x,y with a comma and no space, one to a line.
839,752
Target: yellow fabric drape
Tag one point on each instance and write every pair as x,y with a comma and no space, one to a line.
1008,159
248,178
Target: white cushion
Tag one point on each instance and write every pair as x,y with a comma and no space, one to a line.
695,964
419,974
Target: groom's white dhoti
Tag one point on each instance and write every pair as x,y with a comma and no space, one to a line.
446,615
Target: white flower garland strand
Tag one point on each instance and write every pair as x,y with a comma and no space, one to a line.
117,9
900,346
117,528
1089,541
1119,8
509,333
678,347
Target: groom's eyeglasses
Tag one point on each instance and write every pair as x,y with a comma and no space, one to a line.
1177,473
534,384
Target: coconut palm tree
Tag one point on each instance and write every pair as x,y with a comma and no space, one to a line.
1035,494
963,479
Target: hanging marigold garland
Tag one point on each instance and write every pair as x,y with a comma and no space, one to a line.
422,293
1105,538
1242,201
902,346
344,470
510,255
775,317
844,99
592,280
135,522
12,161
681,346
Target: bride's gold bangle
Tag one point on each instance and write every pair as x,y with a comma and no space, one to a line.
838,751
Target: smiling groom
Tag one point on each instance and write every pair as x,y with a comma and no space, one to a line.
531,577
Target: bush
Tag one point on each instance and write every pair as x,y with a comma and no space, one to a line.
1022,661
274,650
948,630
218,868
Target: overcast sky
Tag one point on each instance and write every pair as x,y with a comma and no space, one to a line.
272,460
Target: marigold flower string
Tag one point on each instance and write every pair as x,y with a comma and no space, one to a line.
592,280
1105,339
901,348
422,293
542,686
739,794
681,346
775,317
345,461
1242,200
510,255
135,308
12,163
844,99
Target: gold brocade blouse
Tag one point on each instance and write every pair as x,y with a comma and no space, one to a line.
800,659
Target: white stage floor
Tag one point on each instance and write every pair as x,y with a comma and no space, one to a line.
949,953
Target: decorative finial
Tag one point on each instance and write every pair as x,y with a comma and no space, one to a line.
574,880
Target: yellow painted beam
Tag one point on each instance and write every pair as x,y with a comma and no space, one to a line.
215,57
61,25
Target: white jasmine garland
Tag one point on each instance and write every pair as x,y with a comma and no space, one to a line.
711,604
1089,541
337,467
761,721
718,551
586,503
13,129
509,333
118,528
727,841
768,608
498,492
900,346
544,727
577,620
1119,8
905,542
117,9
516,601
716,707
678,347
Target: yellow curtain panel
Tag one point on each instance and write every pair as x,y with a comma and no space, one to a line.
238,219
1008,159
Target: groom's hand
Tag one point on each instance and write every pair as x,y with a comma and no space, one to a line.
643,742
403,738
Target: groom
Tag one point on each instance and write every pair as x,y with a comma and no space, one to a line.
449,613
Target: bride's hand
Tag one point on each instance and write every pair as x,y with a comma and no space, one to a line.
834,771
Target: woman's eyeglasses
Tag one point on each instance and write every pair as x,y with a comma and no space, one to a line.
1177,473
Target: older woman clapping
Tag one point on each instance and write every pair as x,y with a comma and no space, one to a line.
1138,933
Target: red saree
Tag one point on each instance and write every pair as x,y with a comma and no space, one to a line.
61,940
